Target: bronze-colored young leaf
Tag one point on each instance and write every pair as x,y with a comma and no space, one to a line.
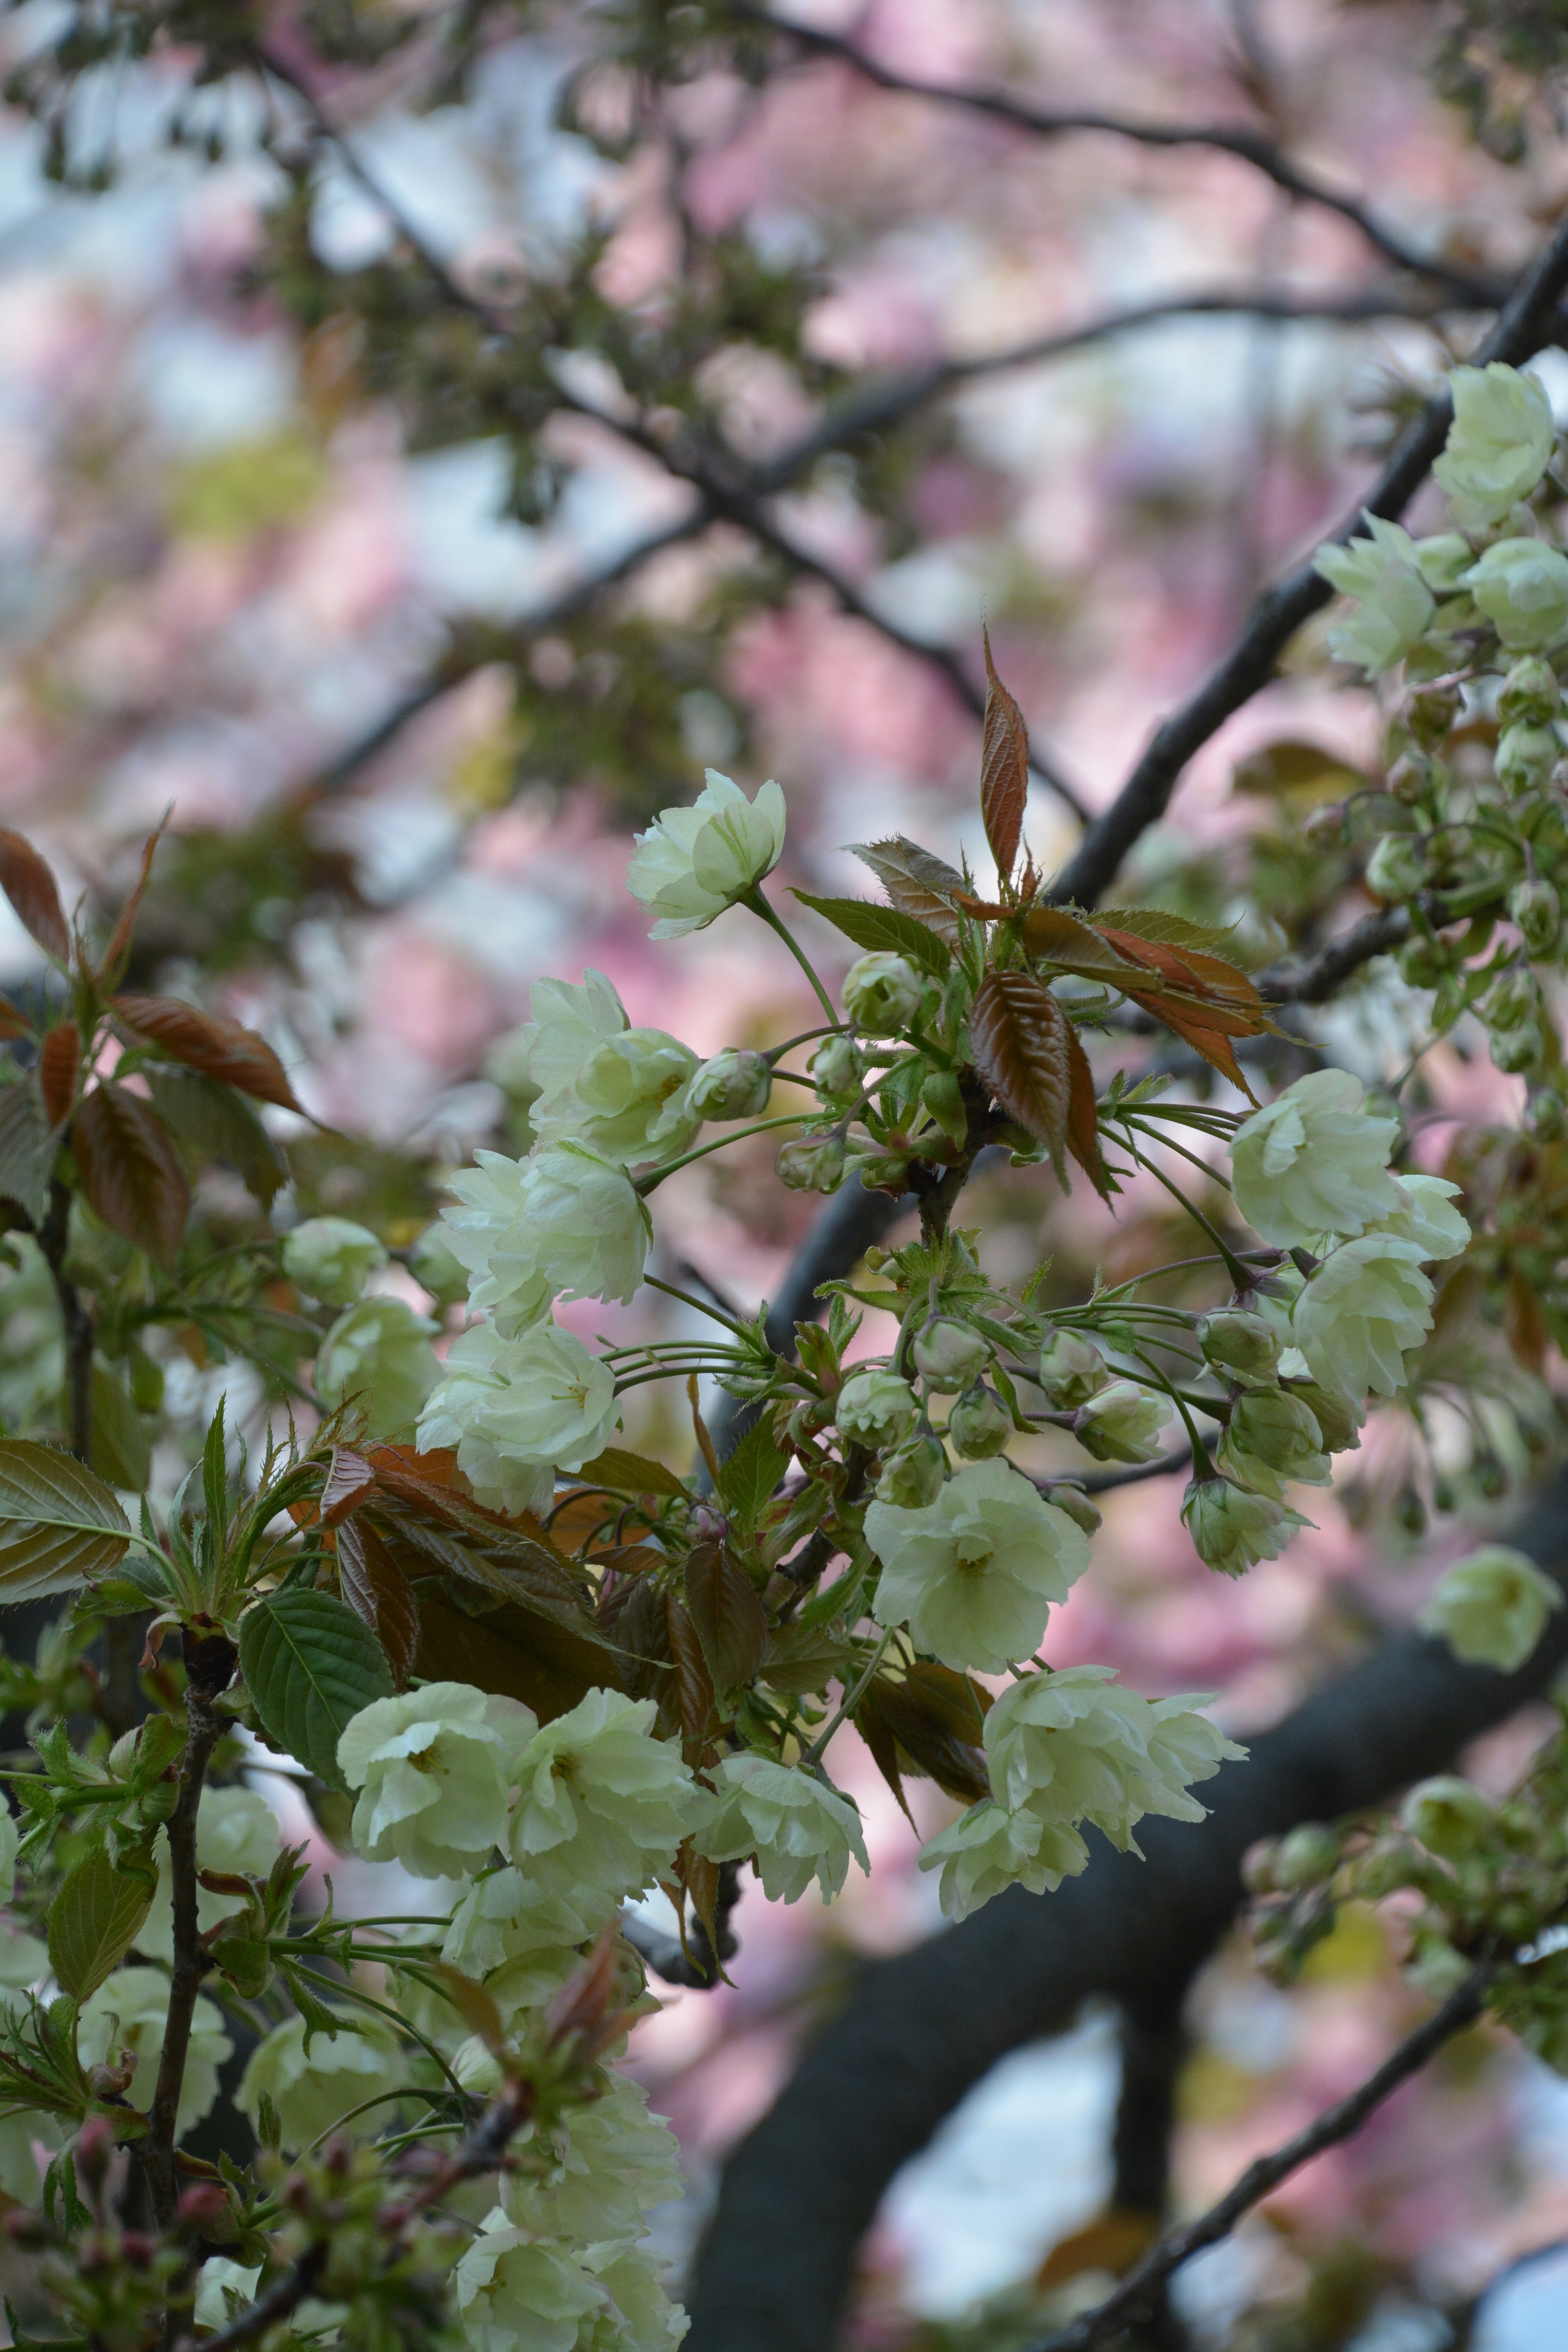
1018,1036
13,1022
930,1722
627,1473
211,1043
730,1621
59,1059
118,947
1083,1117
130,1170
520,1653
1051,935
59,1525
376,1589
693,1693
351,1480
1004,771
30,886
802,1660
27,1147
917,881
213,1122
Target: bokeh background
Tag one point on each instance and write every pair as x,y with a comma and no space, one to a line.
263,567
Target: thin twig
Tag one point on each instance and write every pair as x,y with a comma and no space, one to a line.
1312,983
1134,2297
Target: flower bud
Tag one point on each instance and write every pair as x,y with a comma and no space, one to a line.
979,1424
1233,1530
1534,908
884,1171
882,993
1071,1368
1238,1340
1514,997
203,2206
1078,1506
1526,757
332,1257
814,1164
1431,713
736,1084
1423,963
435,1269
1122,1423
1529,693
1272,1437
942,1097
950,1356
1339,1422
1324,827
1406,782
837,1069
1307,1855
1451,1816
912,1475
1397,867
1517,1051
1545,1119
876,1408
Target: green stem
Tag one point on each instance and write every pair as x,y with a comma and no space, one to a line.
670,1290
655,1176
759,906
1233,1264
852,1698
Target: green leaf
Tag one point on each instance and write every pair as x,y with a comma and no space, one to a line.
1162,929
627,1473
93,1921
748,1478
213,1122
876,928
309,1665
59,1526
122,1439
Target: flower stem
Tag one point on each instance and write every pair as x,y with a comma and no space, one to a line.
759,906
655,1176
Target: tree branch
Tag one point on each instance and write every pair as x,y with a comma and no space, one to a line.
1526,322
1312,983
1138,2292
1249,146
799,2192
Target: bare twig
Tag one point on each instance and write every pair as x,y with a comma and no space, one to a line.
1249,146
1526,322
283,2296
1139,2290
1311,982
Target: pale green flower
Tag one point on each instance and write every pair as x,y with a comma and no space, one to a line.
1071,1368
875,1408
236,1831
560,1223
1492,1608
129,2012
517,2293
332,1258
1366,1304
519,1409
435,1268
798,1828
614,2163
378,1354
1272,1438
1123,1422
1313,1162
217,2281
1423,1216
1451,1816
883,992
694,862
641,2317
315,2091
620,1090
506,1919
1232,1529
1500,443
434,1768
1239,1342
949,1356
988,1848
1393,605
1521,586
603,1804
1077,1746
972,1575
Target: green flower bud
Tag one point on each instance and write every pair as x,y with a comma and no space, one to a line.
1534,908
1306,1856
814,1164
979,1424
1526,757
1324,826
837,1069
1397,867
884,1171
882,993
1071,1368
912,1475
1517,1051
435,1268
942,1097
1123,1422
1233,1530
1272,1436
736,1084
1530,692
1078,1506
1423,963
1339,1423
1239,1340
1545,1119
1406,782
875,1408
1431,713
1451,1816
1514,997
950,1356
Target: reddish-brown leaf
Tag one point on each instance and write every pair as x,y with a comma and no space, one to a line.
1195,1028
699,1880
730,1621
30,886
1018,1036
351,1481
211,1043
130,1170
376,1589
979,910
930,1720
1083,1117
1229,1002
13,1022
917,882
60,1060
118,947
1053,936
1004,771
1525,1323
693,1683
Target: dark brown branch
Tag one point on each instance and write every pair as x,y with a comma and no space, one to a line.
283,2296
54,1240
1530,320
1249,146
1142,2286
1313,982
